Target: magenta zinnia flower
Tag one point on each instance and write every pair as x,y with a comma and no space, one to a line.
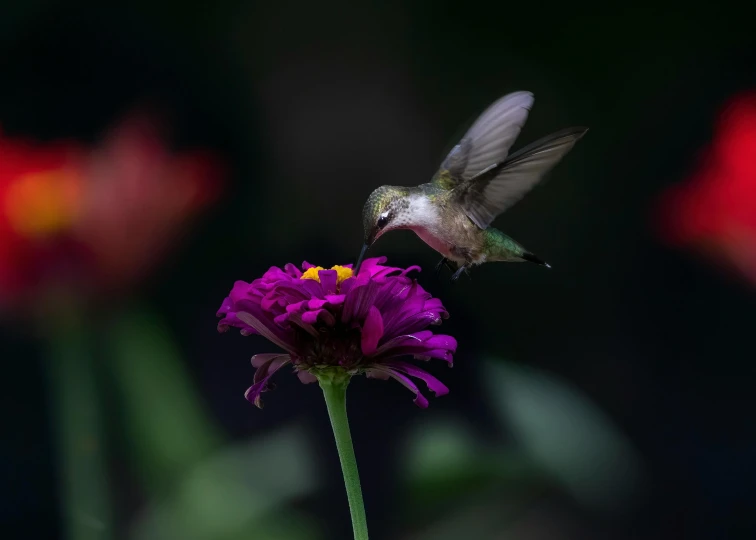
330,321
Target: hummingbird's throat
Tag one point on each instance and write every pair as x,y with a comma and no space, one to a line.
342,273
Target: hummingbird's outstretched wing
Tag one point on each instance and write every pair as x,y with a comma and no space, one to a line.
501,185
487,142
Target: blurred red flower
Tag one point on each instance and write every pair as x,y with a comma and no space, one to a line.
94,218
714,211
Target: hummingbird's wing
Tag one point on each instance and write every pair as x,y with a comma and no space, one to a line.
487,142
501,185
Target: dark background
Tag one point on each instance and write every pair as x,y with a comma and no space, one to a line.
312,105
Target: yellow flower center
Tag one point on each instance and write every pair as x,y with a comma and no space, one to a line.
312,273
342,273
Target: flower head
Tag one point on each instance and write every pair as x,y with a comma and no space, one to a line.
714,211
94,218
330,321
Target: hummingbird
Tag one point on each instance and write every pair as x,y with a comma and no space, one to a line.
477,181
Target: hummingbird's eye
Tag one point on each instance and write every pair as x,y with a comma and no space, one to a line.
383,220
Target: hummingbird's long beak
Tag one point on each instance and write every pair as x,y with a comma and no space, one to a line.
365,247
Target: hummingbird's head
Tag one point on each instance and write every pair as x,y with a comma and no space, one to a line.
380,213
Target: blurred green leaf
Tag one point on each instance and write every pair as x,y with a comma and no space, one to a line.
84,483
241,493
481,519
438,446
163,413
566,434
199,489
462,488
445,465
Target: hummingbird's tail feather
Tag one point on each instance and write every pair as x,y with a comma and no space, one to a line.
500,247
531,257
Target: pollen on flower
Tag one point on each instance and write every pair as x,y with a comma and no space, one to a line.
312,273
342,273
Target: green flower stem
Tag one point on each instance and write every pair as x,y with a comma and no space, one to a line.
78,424
334,389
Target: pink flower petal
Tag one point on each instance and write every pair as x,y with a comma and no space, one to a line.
434,385
372,331
306,377
328,279
420,400
254,316
262,376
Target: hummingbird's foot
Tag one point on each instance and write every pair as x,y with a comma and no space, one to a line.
440,265
443,262
459,271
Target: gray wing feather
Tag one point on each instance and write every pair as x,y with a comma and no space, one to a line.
456,162
498,187
490,137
